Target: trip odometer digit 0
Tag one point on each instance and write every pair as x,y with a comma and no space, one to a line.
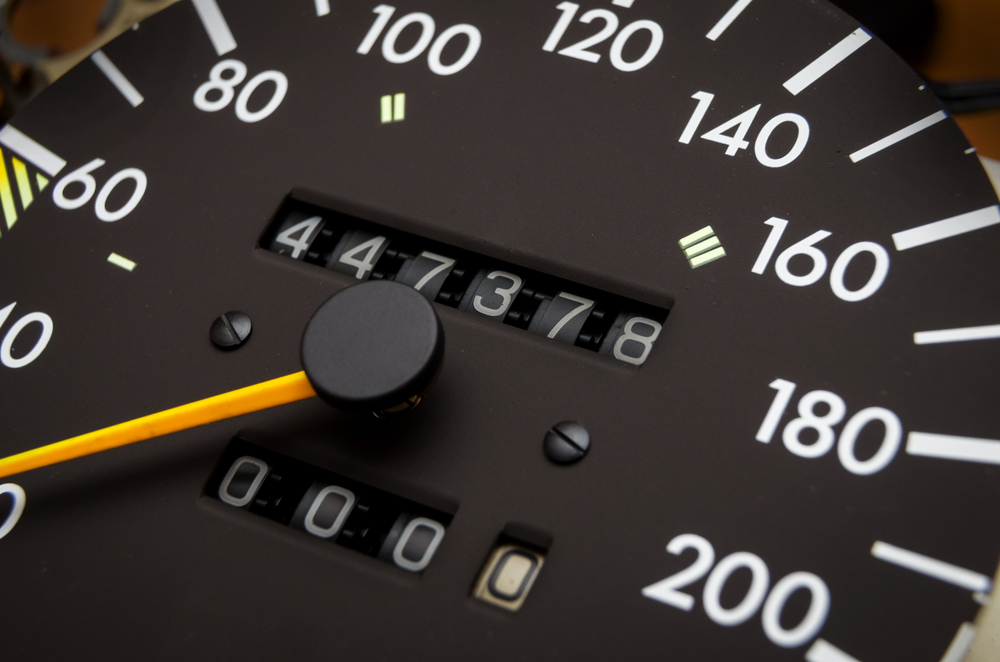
719,289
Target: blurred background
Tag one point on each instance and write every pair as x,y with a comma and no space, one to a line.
953,44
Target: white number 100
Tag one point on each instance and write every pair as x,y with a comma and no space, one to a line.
427,28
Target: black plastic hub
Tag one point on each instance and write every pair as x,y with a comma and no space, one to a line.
372,347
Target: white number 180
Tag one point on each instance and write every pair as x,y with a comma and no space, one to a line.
836,409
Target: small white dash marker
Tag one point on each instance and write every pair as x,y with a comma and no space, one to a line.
896,137
215,25
922,88
827,61
961,644
627,4
322,7
950,447
123,262
823,651
949,227
117,78
971,150
42,158
727,20
957,335
925,565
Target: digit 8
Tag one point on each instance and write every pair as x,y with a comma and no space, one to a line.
628,333
822,424
224,85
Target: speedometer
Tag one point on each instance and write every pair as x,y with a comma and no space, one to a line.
679,322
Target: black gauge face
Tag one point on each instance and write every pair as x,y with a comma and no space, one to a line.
786,371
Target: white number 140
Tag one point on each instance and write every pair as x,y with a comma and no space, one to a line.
741,126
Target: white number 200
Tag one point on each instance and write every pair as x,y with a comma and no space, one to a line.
666,591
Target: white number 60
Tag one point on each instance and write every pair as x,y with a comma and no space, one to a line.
82,176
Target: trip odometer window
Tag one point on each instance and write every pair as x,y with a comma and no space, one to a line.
713,305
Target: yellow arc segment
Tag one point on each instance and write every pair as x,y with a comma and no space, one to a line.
6,195
265,395
23,183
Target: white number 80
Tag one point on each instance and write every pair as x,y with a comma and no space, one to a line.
226,87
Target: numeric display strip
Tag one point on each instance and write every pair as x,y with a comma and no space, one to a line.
328,506
496,291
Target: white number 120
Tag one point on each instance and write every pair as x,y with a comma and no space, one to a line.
579,50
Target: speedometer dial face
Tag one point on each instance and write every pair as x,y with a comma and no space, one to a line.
786,368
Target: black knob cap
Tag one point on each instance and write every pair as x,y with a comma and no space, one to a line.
373,347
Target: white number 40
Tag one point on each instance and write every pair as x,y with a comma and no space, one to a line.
7,346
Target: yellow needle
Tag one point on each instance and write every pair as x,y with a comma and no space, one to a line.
272,393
